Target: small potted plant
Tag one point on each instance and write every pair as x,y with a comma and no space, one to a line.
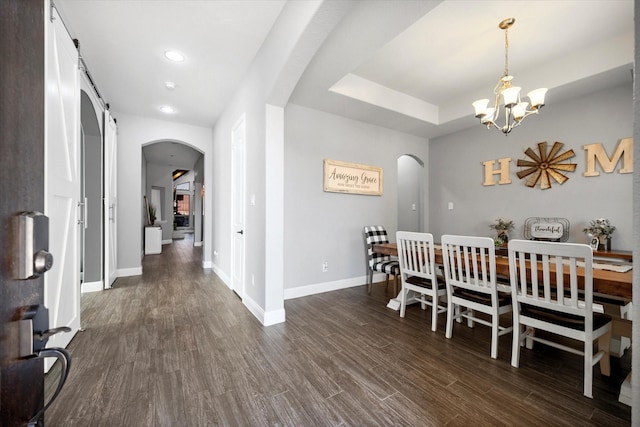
600,231
502,226
152,215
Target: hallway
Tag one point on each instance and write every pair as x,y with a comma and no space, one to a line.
176,347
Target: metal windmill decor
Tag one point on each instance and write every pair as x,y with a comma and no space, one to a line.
545,167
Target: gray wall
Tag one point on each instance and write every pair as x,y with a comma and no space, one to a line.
411,179
322,226
159,176
92,153
93,189
456,172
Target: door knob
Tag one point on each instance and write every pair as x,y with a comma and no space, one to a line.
240,232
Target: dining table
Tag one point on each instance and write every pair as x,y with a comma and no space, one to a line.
612,283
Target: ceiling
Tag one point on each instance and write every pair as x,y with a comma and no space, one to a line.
414,66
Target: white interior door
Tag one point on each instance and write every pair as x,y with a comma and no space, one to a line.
110,200
62,180
238,195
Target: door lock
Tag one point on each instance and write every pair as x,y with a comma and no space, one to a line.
33,245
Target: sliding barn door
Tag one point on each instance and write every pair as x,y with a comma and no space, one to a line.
62,180
110,199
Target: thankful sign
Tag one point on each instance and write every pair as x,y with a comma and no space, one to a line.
353,178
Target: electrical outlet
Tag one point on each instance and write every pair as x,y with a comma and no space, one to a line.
325,267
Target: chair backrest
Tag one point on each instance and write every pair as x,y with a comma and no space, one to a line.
375,234
416,254
470,263
553,284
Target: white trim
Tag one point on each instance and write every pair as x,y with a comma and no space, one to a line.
254,308
225,279
274,317
197,244
206,264
167,242
266,319
134,271
318,288
91,287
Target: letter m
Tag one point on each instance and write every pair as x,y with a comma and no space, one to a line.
596,153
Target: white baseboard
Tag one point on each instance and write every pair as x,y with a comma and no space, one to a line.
225,279
91,287
197,244
167,242
274,317
207,264
266,318
318,288
125,272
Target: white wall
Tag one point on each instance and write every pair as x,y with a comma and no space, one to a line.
133,133
322,226
456,171
292,43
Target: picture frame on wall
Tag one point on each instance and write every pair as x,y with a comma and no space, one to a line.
352,178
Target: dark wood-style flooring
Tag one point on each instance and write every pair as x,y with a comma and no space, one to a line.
176,347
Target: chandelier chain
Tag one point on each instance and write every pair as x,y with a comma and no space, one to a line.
506,51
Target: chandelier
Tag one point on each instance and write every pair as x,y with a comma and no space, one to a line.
515,111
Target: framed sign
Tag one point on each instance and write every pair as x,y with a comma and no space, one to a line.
352,178
548,229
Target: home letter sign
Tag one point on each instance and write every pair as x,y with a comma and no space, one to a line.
595,152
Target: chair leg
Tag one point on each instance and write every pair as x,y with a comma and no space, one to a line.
434,312
494,336
515,346
403,301
470,318
449,327
370,281
588,369
603,344
530,332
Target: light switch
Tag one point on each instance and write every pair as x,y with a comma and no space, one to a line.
450,206
252,200
413,207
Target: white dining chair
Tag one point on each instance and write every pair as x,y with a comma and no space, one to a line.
470,275
416,256
547,296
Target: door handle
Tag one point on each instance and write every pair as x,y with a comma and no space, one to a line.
64,357
240,232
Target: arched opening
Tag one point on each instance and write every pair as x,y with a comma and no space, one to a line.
411,193
173,185
91,193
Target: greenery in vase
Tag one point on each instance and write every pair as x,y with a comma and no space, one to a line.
600,227
152,214
502,227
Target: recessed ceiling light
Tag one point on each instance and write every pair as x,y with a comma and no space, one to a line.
170,85
174,56
167,110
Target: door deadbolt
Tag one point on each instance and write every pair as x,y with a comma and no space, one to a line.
33,245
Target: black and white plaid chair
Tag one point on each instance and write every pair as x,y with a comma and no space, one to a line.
374,234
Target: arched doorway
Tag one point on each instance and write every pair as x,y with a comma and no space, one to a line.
411,185
173,184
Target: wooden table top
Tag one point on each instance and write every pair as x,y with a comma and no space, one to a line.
604,281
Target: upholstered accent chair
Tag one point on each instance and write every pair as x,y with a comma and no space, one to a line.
377,262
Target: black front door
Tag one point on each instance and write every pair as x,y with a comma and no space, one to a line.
21,189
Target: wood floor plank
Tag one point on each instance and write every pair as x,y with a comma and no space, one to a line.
176,347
